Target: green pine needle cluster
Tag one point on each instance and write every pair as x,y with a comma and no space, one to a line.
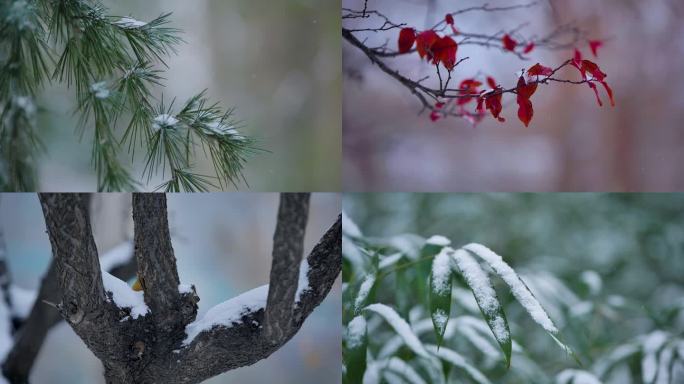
110,63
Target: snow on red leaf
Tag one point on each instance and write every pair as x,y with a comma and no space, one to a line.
508,42
424,41
524,89
407,36
529,47
591,67
539,70
491,82
468,87
449,19
444,51
594,45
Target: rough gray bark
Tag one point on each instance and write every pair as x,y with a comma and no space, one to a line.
288,246
149,349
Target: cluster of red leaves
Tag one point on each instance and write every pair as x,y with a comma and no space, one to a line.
430,45
587,66
442,49
435,48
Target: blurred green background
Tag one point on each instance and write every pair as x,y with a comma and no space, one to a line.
222,243
608,268
277,62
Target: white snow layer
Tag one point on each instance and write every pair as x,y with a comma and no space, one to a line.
22,300
6,339
303,282
592,280
441,271
484,293
184,288
100,90
664,366
350,228
400,326
130,23
364,290
438,240
228,313
124,296
117,256
518,288
575,376
164,121
218,128
356,330
456,359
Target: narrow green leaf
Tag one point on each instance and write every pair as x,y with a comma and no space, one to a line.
355,352
454,358
521,292
400,326
486,299
440,292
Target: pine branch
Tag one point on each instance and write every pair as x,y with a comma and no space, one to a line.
109,61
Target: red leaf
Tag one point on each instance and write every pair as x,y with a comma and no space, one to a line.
467,87
594,45
610,93
493,104
538,69
491,82
407,36
480,107
578,56
525,110
508,42
591,67
435,114
444,51
424,41
449,19
525,90
593,87
528,48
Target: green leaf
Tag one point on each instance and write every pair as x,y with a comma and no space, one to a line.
487,300
521,292
454,358
440,292
356,342
400,326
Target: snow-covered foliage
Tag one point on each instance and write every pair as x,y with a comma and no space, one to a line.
550,270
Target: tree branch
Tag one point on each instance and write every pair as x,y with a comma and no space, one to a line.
223,348
288,246
84,303
154,254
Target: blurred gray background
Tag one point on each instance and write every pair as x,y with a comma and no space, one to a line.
571,144
222,243
277,62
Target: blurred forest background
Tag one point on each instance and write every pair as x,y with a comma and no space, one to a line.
222,244
608,268
278,63
571,144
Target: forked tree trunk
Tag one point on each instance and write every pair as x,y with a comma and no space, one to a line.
150,349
